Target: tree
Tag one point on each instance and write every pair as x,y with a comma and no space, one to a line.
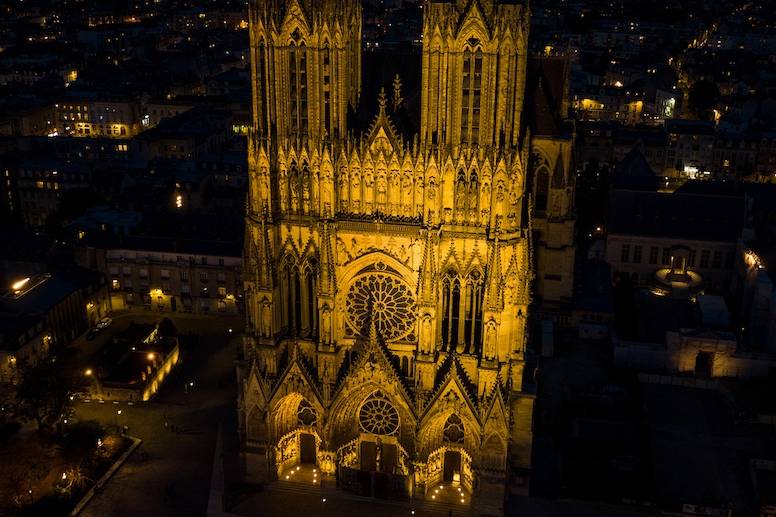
44,391
702,99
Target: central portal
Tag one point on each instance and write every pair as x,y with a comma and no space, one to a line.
378,457
307,453
452,467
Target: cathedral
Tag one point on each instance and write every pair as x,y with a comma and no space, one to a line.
388,274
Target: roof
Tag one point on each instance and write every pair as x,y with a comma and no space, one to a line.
714,312
690,127
634,173
199,121
547,79
193,234
594,291
657,315
13,326
50,292
676,216
187,246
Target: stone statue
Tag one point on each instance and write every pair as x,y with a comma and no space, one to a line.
432,189
382,187
326,325
266,318
490,340
426,335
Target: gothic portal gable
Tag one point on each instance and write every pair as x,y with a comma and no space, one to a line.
373,364
495,417
296,379
453,390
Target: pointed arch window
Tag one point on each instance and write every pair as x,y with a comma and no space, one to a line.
471,93
261,73
542,187
462,311
326,61
473,311
291,295
309,298
297,69
451,309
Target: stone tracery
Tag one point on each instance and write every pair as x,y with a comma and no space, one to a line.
385,298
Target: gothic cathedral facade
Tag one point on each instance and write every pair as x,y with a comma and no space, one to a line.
387,279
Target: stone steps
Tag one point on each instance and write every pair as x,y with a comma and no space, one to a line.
421,507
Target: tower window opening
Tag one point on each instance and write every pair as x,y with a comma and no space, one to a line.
470,95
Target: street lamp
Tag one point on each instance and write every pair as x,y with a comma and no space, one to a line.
88,372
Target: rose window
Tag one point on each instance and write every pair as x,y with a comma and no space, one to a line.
387,299
378,416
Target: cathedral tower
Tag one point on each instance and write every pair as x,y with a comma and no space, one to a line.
474,62
387,275
306,65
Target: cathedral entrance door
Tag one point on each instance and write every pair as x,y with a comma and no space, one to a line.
368,459
307,453
452,466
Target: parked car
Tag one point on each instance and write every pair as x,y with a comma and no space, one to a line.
92,333
104,323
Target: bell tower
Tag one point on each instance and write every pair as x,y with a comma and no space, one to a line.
474,61
306,64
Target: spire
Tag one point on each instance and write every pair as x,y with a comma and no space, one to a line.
328,281
382,100
493,294
397,98
263,255
426,276
249,254
373,330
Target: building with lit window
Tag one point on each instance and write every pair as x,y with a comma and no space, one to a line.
89,115
23,341
52,309
696,229
167,275
41,183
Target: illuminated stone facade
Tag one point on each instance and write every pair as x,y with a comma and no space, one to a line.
387,282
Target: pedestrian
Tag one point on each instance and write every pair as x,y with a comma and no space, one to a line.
166,425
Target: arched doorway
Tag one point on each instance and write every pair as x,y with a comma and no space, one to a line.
307,449
375,464
451,471
453,434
